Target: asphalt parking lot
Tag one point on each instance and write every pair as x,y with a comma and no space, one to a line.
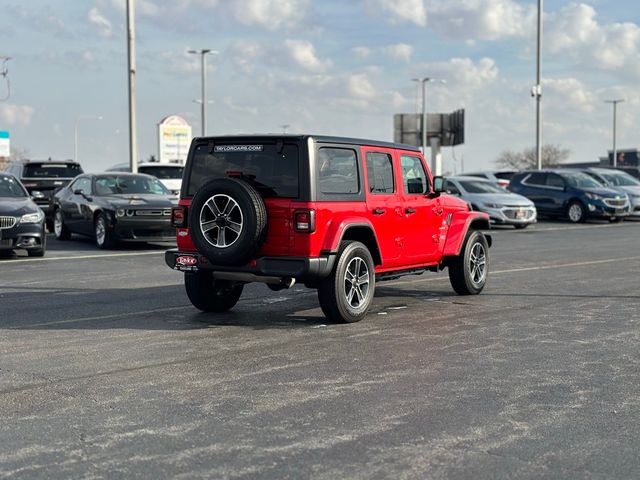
106,370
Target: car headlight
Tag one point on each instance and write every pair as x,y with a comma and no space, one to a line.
120,212
593,196
491,205
32,217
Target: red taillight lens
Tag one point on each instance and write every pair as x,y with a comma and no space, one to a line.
179,217
304,221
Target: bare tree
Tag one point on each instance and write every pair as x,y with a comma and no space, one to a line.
552,156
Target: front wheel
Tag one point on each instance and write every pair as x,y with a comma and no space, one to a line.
104,236
211,295
469,270
346,294
60,230
576,212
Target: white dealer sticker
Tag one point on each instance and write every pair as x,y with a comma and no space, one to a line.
237,148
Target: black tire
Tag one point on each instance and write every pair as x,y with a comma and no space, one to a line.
104,236
60,230
521,227
39,252
338,294
233,236
615,219
463,274
576,212
211,295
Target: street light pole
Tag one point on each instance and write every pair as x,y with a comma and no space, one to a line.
615,114
75,135
424,81
131,57
537,90
203,65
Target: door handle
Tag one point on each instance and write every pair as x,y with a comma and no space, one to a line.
378,211
409,210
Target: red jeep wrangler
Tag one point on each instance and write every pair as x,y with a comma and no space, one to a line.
337,214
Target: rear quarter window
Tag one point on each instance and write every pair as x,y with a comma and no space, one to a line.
338,171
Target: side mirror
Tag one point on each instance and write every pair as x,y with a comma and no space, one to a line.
438,184
78,192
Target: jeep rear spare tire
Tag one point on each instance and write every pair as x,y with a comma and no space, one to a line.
228,221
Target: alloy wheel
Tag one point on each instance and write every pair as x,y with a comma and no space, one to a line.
478,264
356,282
221,221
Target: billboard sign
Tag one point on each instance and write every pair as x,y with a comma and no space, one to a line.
448,128
174,138
5,149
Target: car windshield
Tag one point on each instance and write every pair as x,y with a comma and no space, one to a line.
620,179
52,170
9,187
128,185
580,180
473,186
163,172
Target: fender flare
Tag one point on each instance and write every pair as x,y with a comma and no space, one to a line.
338,230
461,223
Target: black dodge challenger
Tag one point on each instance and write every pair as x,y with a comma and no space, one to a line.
113,207
21,220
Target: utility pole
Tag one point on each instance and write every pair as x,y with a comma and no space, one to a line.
131,54
423,81
615,114
537,89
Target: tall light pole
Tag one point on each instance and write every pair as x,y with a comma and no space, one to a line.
285,127
203,57
537,89
131,57
615,114
75,135
424,81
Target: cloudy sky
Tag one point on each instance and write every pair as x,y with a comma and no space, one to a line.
339,67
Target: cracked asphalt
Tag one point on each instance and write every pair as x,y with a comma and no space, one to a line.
106,371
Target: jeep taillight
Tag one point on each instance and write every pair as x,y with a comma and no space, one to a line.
304,221
179,217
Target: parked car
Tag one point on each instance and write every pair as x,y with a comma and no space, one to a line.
570,193
336,214
115,207
503,207
43,178
500,178
169,174
21,220
620,181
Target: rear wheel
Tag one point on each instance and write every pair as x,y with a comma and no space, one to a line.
60,230
346,294
576,212
469,270
211,295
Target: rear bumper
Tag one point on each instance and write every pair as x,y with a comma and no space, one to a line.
264,269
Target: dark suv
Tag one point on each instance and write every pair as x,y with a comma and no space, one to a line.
43,178
336,214
570,193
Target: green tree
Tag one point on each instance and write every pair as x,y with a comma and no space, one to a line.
552,156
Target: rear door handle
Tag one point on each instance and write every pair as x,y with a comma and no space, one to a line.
378,211
409,211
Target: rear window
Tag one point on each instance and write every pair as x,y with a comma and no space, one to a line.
163,172
272,173
51,170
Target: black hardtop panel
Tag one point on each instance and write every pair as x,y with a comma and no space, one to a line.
274,137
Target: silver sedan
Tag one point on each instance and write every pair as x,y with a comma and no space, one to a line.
503,207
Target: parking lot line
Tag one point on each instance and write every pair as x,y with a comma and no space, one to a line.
524,269
82,257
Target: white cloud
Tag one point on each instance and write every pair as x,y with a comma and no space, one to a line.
303,54
568,92
270,14
16,114
399,51
245,55
359,86
399,11
575,32
482,19
101,22
463,74
362,52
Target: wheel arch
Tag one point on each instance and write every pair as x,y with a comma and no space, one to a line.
461,224
363,233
